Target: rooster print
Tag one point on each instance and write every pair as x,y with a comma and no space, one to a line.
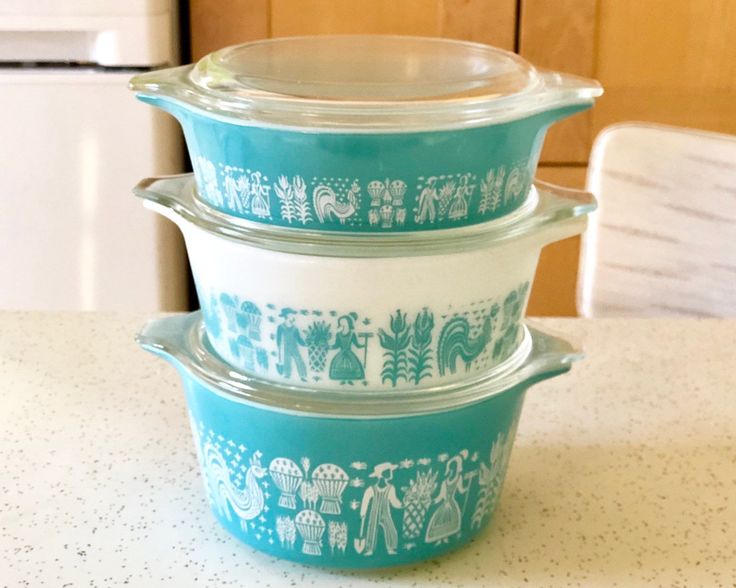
248,502
329,207
456,342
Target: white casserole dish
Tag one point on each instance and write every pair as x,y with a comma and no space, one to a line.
333,310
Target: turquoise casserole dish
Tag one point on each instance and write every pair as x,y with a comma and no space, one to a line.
344,479
364,133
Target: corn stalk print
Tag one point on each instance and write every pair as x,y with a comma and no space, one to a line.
285,194
293,199
395,363
498,188
490,478
486,193
420,353
286,531
337,533
301,201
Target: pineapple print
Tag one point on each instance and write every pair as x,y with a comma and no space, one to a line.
417,499
317,339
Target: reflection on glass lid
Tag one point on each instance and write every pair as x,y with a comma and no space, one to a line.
182,338
366,82
545,206
364,68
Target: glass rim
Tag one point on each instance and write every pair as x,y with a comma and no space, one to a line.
537,354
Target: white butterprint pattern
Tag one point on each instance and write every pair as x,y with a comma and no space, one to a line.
387,203
288,477
328,205
286,531
490,478
237,190
337,533
245,191
417,500
292,195
247,503
311,527
437,198
207,177
444,197
309,494
514,184
393,506
500,186
446,519
330,481
490,191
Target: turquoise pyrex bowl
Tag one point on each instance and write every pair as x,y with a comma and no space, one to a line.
364,133
344,480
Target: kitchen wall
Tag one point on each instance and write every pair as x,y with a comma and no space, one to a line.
668,61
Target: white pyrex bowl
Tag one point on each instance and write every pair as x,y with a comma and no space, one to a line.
329,310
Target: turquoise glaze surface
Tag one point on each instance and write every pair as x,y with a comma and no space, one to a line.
362,182
311,345
349,492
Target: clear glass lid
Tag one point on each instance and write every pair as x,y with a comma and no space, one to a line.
181,338
376,81
545,208
364,69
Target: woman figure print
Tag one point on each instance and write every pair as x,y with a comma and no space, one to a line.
459,206
260,202
446,521
345,366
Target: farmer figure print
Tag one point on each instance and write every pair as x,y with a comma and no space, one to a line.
289,340
345,365
446,521
376,505
427,199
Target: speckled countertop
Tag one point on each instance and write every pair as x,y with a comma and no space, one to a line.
623,473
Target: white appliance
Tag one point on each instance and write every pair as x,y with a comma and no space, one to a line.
73,142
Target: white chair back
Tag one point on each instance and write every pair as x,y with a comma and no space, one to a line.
663,240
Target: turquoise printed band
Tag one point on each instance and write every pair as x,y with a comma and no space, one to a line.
329,347
367,182
352,493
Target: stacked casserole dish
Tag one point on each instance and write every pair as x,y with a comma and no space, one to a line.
363,231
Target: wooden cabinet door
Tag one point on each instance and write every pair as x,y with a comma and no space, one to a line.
667,61
218,23
560,35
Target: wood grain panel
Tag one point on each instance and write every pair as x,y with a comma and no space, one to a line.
319,17
560,35
668,61
485,21
553,293
684,44
709,110
218,23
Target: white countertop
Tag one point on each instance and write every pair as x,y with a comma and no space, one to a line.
623,472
